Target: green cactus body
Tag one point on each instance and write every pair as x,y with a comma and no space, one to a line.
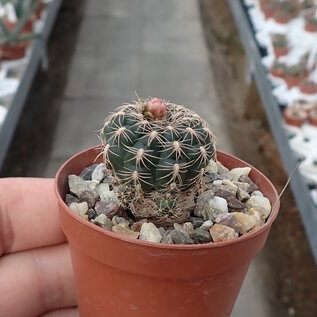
157,159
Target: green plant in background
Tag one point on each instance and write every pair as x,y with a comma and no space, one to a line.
311,18
295,70
158,153
287,9
307,4
279,40
24,9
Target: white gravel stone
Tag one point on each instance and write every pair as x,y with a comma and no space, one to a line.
77,185
257,193
99,172
261,204
212,167
209,207
240,171
246,222
150,233
79,208
106,194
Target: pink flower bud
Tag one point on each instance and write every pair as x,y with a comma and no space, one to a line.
155,108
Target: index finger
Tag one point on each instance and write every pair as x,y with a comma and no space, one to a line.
28,214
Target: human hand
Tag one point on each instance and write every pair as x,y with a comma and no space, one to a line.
36,276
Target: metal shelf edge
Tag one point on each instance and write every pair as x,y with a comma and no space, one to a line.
300,190
11,120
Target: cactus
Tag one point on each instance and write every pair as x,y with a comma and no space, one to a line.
279,40
24,9
158,152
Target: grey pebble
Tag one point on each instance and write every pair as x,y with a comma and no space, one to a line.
71,199
77,186
91,214
196,221
167,238
201,236
242,195
89,197
103,221
99,172
116,220
161,230
110,209
206,225
179,237
180,228
87,172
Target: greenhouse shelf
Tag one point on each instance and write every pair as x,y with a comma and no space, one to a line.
301,192
38,52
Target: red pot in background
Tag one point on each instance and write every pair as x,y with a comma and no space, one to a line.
309,27
13,51
280,51
308,88
27,28
277,72
292,81
268,12
312,117
120,277
280,19
295,117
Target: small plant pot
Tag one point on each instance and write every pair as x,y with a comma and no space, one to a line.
13,51
295,117
27,28
268,11
279,73
282,19
292,81
312,117
116,276
308,88
310,27
310,22
280,51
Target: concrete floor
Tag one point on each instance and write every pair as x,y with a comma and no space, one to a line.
148,48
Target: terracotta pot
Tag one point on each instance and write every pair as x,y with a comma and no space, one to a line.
120,277
292,81
312,117
13,51
295,117
280,51
281,19
27,28
310,27
279,73
268,11
308,88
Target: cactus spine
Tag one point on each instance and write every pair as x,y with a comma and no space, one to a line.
158,152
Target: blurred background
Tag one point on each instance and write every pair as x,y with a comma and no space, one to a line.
247,67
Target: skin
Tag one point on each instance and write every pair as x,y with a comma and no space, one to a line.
35,267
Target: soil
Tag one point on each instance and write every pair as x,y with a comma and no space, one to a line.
287,262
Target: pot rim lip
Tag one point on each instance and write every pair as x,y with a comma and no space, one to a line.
194,247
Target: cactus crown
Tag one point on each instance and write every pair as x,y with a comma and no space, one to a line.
157,151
